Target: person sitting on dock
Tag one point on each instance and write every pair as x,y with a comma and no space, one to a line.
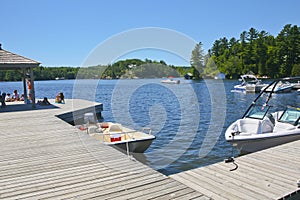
15,96
2,99
60,98
22,98
45,102
8,98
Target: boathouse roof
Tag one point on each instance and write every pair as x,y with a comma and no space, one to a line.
9,60
12,61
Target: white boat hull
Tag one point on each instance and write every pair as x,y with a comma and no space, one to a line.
256,144
253,88
137,146
280,88
171,81
249,88
251,135
239,88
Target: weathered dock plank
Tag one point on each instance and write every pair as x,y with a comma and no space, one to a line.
268,174
196,184
244,181
113,188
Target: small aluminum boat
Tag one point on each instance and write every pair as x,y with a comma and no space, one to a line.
115,134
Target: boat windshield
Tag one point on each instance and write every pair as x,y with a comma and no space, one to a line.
291,115
257,111
249,79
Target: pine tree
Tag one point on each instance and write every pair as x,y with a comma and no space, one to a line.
197,61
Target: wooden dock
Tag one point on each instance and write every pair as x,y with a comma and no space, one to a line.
269,174
43,157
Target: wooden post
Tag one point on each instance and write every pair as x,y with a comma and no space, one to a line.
24,85
32,87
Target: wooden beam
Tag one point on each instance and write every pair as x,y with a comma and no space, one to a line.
18,66
32,85
24,85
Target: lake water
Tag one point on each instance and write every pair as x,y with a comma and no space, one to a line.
188,119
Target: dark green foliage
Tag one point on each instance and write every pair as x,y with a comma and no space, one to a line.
296,70
259,52
130,68
197,61
51,73
41,73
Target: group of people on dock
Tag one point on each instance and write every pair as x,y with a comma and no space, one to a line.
7,97
15,96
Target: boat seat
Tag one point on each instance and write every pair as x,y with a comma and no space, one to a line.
267,125
283,127
250,126
277,115
114,128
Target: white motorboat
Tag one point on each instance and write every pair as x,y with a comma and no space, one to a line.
280,87
220,76
170,80
264,125
188,76
115,134
249,84
296,86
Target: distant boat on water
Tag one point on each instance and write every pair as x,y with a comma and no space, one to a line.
60,78
296,86
220,76
280,87
188,76
249,84
171,80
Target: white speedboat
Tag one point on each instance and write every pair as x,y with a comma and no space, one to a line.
188,76
296,86
280,87
249,84
263,125
115,134
171,81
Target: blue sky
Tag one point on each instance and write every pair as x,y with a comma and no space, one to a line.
64,32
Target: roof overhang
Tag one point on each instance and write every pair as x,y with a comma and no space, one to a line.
4,66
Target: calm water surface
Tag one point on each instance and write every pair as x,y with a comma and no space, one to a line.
180,115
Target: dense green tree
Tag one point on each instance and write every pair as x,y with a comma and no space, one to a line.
197,61
288,41
296,70
216,49
210,69
259,52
